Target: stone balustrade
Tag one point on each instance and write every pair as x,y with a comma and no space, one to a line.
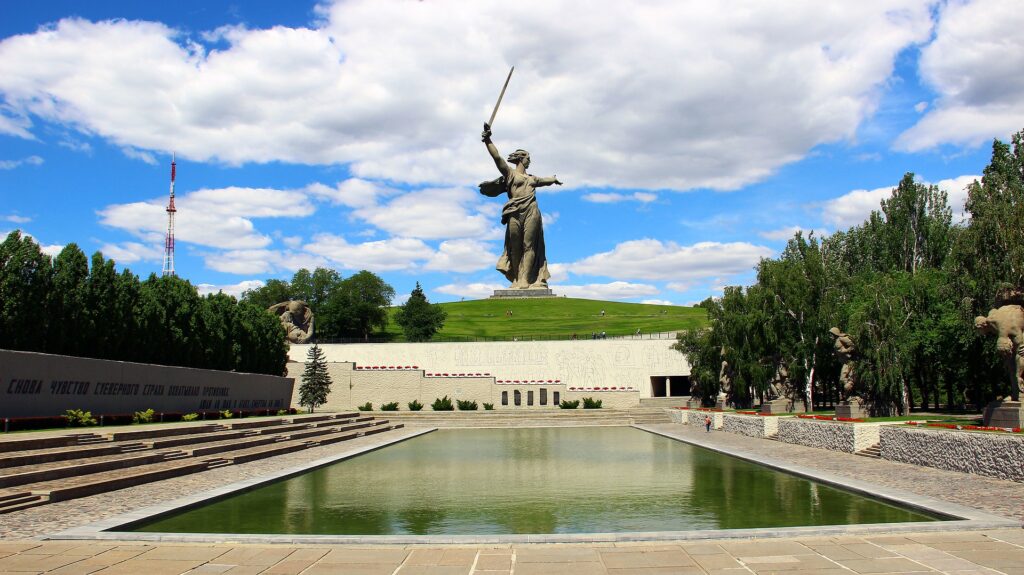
751,425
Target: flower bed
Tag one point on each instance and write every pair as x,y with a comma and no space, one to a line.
709,409
528,382
960,427
599,389
831,418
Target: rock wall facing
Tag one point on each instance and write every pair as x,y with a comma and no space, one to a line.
694,417
751,425
991,454
848,437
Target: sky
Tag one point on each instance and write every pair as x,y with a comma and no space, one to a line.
694,138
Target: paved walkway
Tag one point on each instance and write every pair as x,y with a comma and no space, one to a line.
988,553
961,552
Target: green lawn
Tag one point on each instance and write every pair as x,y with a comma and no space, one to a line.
558,318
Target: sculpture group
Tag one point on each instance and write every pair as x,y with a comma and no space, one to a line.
1006,322
296,319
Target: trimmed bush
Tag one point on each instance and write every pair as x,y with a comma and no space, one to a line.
143,416
591,403
415,405
465,405
365,407
190,417
442,404
226,414
79,418
488,406
566,404
282,412
393,406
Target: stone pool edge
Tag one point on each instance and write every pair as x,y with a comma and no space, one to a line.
968,518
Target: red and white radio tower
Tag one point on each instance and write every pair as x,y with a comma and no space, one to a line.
169,241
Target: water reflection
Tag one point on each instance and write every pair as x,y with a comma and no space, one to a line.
545,480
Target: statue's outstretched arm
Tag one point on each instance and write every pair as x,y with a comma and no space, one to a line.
495,155
539,182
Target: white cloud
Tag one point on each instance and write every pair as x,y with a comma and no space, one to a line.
771,80
920,107
656,260
52,249
431,214
975,65
353,192
235,290
559,273
11,164
853,208
470,290
613,290
785,233
139,155
16,219
131,252
261,261
217,218
615,197
548,218
462,256
378,256
657,302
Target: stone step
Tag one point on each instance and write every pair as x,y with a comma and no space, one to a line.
22,502
154,433
19,458
119,479
32,443
176,441
874,451
75,467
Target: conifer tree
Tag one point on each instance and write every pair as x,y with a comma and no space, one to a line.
316,382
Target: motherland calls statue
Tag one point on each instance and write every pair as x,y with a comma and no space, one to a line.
846,351
1007,323
524,262
296,319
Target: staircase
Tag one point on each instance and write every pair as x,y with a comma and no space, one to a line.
873,451
36,471
550,417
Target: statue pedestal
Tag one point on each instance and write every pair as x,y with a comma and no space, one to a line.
1004,413
852,408
720,403
781,405
694,404
522,293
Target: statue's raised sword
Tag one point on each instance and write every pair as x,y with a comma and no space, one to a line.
500,96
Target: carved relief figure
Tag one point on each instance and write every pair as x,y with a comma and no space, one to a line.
523,262
296,319
846,351
725,376
780,386
1007,324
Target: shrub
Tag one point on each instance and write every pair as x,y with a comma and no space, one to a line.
591,403
443,404
466,405
79,418
393,406
365,407
488,406
226,414
143,416
566,404
415,405
190,417
282,412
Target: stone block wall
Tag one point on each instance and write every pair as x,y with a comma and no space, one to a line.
837,436
750,425
991,454
694,417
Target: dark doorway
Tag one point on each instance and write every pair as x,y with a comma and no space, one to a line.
670,385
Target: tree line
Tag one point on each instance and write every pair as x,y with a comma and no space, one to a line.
353,307
905,285
70,306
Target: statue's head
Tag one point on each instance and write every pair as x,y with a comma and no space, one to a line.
297,309
520,156
835,332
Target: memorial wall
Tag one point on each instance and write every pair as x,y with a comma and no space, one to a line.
38,384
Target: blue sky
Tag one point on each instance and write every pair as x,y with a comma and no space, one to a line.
693,137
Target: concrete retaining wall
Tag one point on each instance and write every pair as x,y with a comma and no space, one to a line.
38,384
834,435
991,454
750,425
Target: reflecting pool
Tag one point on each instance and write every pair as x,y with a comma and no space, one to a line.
539,480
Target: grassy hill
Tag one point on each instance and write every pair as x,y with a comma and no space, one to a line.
558,318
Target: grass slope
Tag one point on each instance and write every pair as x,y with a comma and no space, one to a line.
558,318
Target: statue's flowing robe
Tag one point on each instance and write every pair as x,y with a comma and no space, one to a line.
525,209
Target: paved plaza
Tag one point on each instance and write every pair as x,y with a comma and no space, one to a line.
24,547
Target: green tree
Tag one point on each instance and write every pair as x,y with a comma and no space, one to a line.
70,320
316,382
419,318
274,291
358,306
25,285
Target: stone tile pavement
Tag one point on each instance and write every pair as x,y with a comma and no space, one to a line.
959,553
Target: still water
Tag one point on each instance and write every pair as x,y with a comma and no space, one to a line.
546,480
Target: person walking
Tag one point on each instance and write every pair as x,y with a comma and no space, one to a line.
707,424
